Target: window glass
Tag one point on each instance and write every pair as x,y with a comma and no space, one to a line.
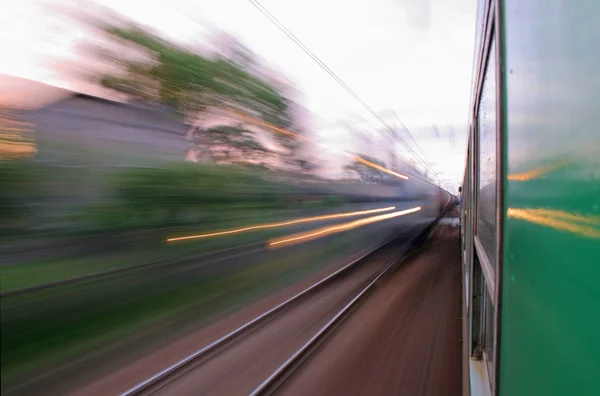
486,202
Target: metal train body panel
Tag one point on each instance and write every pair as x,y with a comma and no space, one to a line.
530,210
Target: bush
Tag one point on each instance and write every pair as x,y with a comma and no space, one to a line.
15,188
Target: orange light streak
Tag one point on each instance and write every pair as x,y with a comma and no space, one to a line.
290,133
539,171
379,167
271,126
586,225
591,151
284,223
342,227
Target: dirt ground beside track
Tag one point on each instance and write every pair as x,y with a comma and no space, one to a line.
405,339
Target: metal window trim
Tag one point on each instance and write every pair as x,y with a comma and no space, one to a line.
489,40
466,248
476,310
475,176
500,188
470,250
481,293
487,269
489,363
481,55
476,317
490,26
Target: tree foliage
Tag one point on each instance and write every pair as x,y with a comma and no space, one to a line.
189,82
195,85
228,144
164,195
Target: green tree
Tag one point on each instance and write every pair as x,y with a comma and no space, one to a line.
195,85
190,82
229,144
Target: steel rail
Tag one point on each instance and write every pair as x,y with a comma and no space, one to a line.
204,351
283,372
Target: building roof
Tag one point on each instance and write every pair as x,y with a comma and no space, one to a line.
20,93
23,94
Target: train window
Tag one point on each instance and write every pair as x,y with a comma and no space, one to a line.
486,189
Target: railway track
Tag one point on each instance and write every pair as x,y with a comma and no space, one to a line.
259,356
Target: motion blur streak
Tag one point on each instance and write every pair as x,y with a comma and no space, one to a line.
270,126
538,172
343,227
589,152
586,225
16,136
381,168
284,131
284,223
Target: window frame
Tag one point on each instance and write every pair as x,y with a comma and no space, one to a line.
490,276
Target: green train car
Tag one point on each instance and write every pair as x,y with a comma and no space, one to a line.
530,208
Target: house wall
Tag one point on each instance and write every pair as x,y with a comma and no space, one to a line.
110,132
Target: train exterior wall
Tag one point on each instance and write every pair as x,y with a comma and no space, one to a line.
531,212
550,319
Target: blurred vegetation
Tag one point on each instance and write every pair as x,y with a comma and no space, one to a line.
182,193
190,82
16,185
195,85
120,198
60,222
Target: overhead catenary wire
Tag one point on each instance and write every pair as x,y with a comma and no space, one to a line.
284,131
422,161
297,41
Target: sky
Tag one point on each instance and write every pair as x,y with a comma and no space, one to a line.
412,57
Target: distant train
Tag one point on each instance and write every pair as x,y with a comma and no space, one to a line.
433,199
